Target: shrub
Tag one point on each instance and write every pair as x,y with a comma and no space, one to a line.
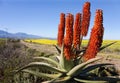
12,56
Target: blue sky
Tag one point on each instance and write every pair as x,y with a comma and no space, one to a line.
41,17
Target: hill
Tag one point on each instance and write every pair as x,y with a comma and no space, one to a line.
20,35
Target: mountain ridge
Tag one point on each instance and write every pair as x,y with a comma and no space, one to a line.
19,35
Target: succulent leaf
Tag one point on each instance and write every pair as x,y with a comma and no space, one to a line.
77,69
89,81
48,60
107,45
109,79
65,64
90,68
60,80
43,75
58,49
42,65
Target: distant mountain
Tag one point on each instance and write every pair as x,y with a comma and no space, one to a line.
20,35
24,35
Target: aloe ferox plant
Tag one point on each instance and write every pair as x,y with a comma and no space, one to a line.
73,62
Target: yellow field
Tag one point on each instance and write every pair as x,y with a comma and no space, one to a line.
116,45
84,42
115,48
42,41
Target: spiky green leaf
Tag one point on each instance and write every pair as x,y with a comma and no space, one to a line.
59,80
58,49
65,64
109,79
68,64
107,45
48,60
93,67
42,65
77,69
62,58
43,75
89,81
101,48
48,55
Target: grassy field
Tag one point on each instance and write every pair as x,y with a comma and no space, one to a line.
114,47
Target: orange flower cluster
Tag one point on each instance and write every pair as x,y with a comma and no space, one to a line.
69,36
96,37
85,19
61,29
80,29
77,31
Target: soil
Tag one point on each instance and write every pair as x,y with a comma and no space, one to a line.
50,49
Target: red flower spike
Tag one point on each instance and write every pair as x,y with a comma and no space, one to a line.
96,37
85,19
69,36
77,31
61,29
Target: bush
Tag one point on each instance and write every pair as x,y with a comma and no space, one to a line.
13,55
